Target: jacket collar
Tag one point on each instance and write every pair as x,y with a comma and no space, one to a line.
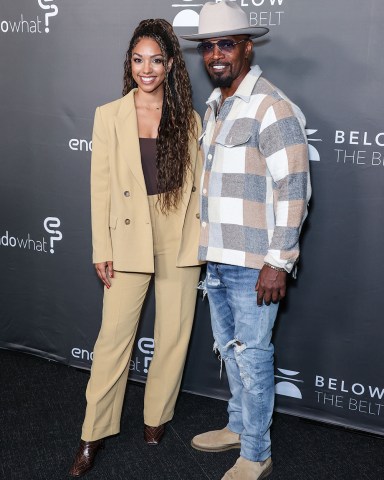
244,91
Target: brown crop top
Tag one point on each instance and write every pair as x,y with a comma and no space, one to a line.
148,163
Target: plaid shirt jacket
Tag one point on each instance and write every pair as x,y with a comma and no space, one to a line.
255,184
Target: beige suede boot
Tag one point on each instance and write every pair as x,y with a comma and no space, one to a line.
216,441
246,470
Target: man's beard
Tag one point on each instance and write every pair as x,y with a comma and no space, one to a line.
221,80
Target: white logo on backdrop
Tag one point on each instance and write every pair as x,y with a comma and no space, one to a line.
50,225
80,145
360,398
51,10
147,346
32,244
186,17
356,147
31,25
81,354
314,154
287,388
272,16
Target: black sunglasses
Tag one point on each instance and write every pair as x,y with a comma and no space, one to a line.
225,46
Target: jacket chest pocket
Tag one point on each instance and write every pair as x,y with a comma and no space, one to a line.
234,140
242,132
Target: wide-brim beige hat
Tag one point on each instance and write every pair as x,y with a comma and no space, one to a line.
224,19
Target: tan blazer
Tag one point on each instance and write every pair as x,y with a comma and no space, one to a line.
121,225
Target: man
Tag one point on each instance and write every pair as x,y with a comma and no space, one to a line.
254,194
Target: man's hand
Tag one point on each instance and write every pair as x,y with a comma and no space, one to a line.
104,271
271,286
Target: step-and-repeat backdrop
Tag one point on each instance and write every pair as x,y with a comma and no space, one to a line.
62,58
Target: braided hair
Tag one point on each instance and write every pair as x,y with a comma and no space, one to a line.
178,124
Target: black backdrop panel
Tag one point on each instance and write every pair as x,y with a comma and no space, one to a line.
61,59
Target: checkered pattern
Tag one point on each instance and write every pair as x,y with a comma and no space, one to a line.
255,185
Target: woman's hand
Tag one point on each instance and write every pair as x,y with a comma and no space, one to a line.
104,271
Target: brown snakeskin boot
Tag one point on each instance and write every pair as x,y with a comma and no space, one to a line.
153,435
85,457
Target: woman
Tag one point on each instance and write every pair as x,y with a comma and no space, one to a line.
145,220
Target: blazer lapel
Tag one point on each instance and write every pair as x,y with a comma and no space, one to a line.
128,137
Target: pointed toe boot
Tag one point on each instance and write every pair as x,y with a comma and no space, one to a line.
85,457
153,435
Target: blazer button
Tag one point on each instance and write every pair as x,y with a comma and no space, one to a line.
127,221
127,194
193,189
197,215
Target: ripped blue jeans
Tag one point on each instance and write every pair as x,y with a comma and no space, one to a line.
242,333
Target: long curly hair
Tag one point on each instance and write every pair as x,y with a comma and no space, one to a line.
178,124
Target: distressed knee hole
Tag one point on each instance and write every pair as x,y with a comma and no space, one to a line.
212,281
219,356
239,348
202,285
216,348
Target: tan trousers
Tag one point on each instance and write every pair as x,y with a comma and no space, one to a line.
175,293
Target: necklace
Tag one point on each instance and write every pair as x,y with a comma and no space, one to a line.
139,103
149,106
